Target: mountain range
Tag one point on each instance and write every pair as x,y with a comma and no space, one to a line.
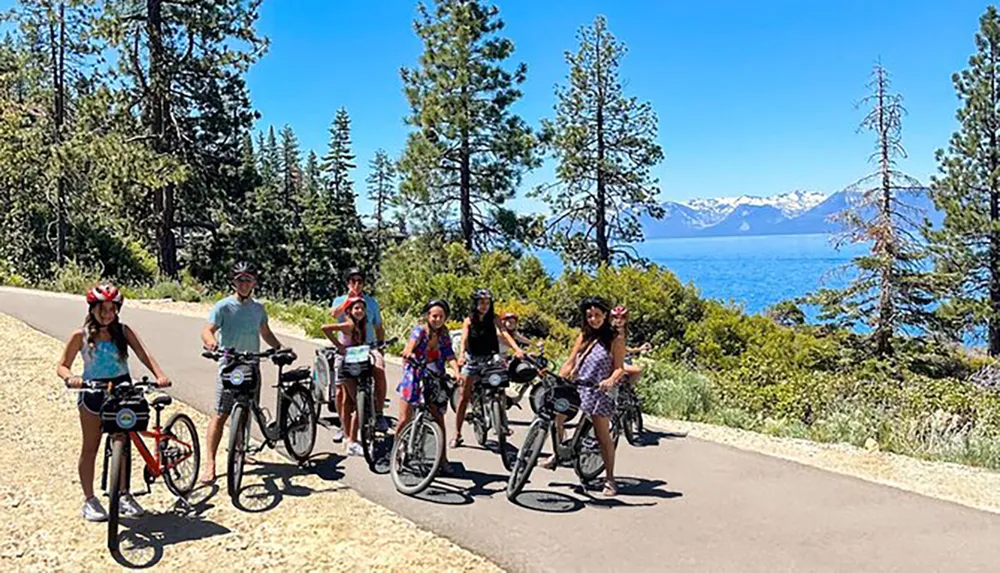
794,213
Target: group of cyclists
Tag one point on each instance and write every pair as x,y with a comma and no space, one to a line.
239,322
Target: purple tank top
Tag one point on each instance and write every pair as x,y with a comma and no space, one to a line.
596,366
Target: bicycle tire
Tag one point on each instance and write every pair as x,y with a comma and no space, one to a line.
587,463
236,456
307,409
629,425
193,452
114,492
536,397
366,425
479,419
424,422
527,457
501,429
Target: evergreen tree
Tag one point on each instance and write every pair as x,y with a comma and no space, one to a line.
889,292
382,193
605,143
967,246
469,150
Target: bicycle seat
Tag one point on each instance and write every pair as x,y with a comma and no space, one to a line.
162,401
297,375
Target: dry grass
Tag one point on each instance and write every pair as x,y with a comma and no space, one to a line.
314,524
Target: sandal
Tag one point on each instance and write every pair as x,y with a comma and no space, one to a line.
548,463
457,442
610,488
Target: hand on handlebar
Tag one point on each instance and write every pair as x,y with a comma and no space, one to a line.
163,382
211,347
74,382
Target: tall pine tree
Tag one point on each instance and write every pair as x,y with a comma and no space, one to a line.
605,143
382,193
469,150
967,247
889,292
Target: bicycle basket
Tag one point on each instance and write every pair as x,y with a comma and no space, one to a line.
563,400
240,377
323,373
495,377
124,414
436,391
521,372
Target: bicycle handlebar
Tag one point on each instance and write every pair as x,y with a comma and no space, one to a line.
143,385
230,353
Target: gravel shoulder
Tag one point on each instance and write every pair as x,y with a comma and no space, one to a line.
306,521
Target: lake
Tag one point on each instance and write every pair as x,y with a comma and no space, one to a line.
755,272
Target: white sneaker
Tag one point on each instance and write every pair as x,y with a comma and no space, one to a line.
129,507
338,435
93,510
355,449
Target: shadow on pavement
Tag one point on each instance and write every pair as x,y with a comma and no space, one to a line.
141,541
277,482
628,488
548,501
479,481
653,437
444,494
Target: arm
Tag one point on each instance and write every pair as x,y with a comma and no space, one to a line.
140,352
380,332
73,346
453,364
268,336
208,340
617,361
567,368
511,343
411,343
461,344
330,329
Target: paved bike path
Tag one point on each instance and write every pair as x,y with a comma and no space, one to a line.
684,505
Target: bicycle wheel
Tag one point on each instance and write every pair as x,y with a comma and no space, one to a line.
180,454
479,419
631,427
366,425
238,429
536,397
500,426
114,491
587,460
419,448
298,422
527,457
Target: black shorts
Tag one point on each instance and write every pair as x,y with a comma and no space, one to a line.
92,401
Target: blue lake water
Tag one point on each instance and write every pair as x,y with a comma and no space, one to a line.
755,272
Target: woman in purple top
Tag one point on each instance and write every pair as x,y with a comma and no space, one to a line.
596,365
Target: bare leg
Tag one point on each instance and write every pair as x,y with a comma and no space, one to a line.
91,427
552,461
464,396
339,404
350,408
380,390
602,427
438,415
213,436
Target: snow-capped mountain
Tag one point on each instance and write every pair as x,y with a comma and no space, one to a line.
798,212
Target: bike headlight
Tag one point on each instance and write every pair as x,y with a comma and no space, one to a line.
494,379
125,418
236,378
561,405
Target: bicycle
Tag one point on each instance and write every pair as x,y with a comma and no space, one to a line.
559,397
359,365
488,406
240,372
125,412
421,434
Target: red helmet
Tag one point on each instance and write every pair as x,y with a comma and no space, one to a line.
105,293
619,311
507,315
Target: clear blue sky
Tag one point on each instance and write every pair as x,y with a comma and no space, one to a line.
752,97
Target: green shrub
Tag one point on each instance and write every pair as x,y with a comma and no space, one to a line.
74,278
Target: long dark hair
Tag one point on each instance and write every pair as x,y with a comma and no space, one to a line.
115,330
488,318
606,334
359,328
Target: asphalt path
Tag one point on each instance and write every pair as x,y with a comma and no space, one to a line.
684,504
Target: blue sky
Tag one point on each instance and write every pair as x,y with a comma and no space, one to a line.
752,97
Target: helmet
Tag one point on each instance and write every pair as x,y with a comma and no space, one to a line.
619,311
354,272
244,269
481,294
354,300
105,293
508,315
594,301
437,302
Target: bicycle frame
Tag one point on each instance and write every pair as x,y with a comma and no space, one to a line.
155,465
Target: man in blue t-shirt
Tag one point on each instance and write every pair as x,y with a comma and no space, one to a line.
376,333
240,321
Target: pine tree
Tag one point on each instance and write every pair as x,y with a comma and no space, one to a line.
605,143
967,246
291,168
341,229
889,293
382,193
469,150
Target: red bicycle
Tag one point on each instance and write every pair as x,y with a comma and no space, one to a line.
125,412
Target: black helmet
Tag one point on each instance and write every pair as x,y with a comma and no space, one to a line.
481,294
437,302
243,269
593,301
354,272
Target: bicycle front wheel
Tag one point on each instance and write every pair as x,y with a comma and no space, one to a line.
180,454
527,457
587,460
298,423
366,425
416,455
115,478
238,430
500,426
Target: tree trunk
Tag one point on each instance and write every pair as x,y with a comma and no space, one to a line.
59,103
465,186
885,239
159,103
994,322
601,225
